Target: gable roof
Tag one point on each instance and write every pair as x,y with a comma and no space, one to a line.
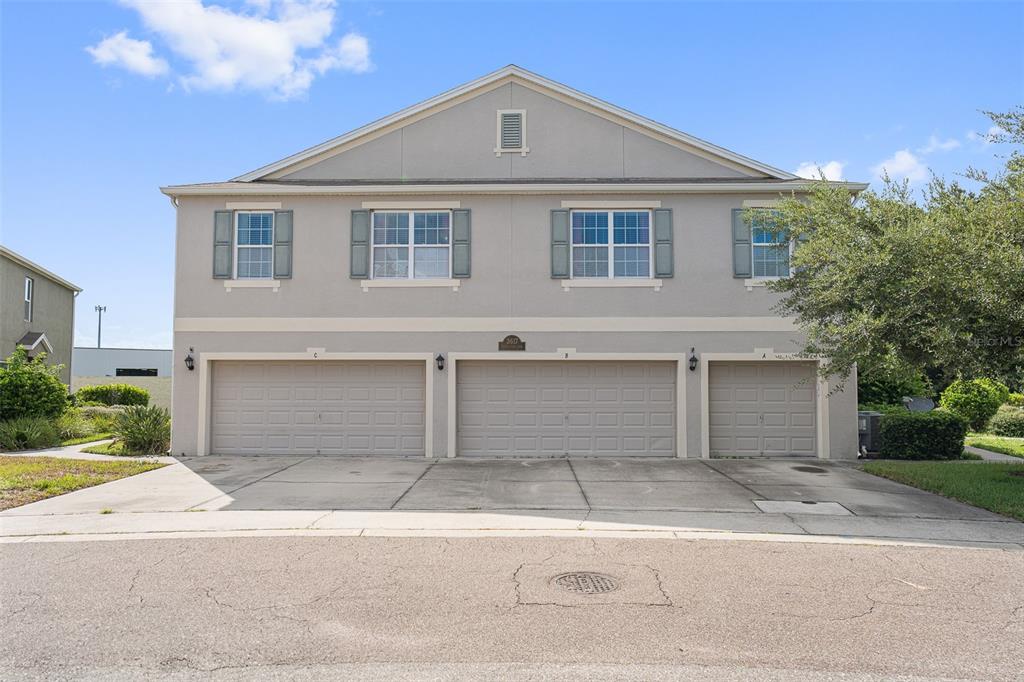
519,75
25,262
32,339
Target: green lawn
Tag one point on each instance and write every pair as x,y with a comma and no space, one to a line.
996,486
1003,444
92,438
30,479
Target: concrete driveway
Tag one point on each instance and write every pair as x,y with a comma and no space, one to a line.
414,495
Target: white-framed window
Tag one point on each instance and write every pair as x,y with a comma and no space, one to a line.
411,244
612,244
770,248
254,245
30,287
511,133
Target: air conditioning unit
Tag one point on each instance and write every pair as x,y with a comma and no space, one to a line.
869,432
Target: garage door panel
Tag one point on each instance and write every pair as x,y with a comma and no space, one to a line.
574,407
762,408
324,407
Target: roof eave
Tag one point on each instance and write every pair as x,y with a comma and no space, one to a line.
25,262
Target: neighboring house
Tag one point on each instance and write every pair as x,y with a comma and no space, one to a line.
512,268
37,311
122,362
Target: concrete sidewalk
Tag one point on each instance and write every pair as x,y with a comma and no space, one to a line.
774,499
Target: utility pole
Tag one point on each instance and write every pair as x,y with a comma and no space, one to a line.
99,325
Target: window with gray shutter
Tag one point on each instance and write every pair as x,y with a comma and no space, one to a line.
359,264
223,244
461,246
740,245
559,244
283,236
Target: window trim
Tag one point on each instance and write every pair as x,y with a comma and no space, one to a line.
411,246
611,244
234,265
523,149
30,295
761,280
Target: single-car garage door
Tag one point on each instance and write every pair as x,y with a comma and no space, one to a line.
318,408
762,408
549,408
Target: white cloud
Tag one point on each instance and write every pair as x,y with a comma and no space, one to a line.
984,138
277,47
128,53
833,170
902,164
937,145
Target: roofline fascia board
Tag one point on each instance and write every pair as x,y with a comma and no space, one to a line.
530,79
269,190
35,267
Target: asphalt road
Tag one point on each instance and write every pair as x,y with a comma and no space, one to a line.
485,608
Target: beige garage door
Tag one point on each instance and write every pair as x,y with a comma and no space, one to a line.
551,408
762,408
318,408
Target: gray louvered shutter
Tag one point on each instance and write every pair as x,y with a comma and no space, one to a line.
461,250
359,267
663,257
223,244
511,131
283,228
560,244
740,245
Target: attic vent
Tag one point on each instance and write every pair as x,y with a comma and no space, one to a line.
511,132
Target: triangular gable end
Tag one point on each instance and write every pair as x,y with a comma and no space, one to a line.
637,126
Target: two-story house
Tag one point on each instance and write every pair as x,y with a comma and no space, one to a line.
511,268
37,311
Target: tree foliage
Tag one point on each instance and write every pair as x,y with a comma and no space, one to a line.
895,285
31,388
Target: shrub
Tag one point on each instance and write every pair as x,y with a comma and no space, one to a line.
1015,399
881,407
922,435
72,424
144,430
1000,389
112,394
101,416
1008,421
976,401
28,433
888,388
31,388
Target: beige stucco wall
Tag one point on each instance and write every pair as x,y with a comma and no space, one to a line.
564,141
53,312
511,279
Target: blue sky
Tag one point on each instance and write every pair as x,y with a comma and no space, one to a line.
103,102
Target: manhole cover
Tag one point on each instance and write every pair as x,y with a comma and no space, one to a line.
586,583
809,470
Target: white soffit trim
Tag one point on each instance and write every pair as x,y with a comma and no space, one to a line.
252,205
530,79
596,203
271,189
484,324
411,205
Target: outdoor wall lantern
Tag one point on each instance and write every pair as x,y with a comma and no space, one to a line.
693,360
440,362
190,363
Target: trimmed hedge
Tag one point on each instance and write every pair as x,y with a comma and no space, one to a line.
922,435
1009,421
112,394
1016,399
976,400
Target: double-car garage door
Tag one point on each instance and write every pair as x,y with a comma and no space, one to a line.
551,408
318,408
